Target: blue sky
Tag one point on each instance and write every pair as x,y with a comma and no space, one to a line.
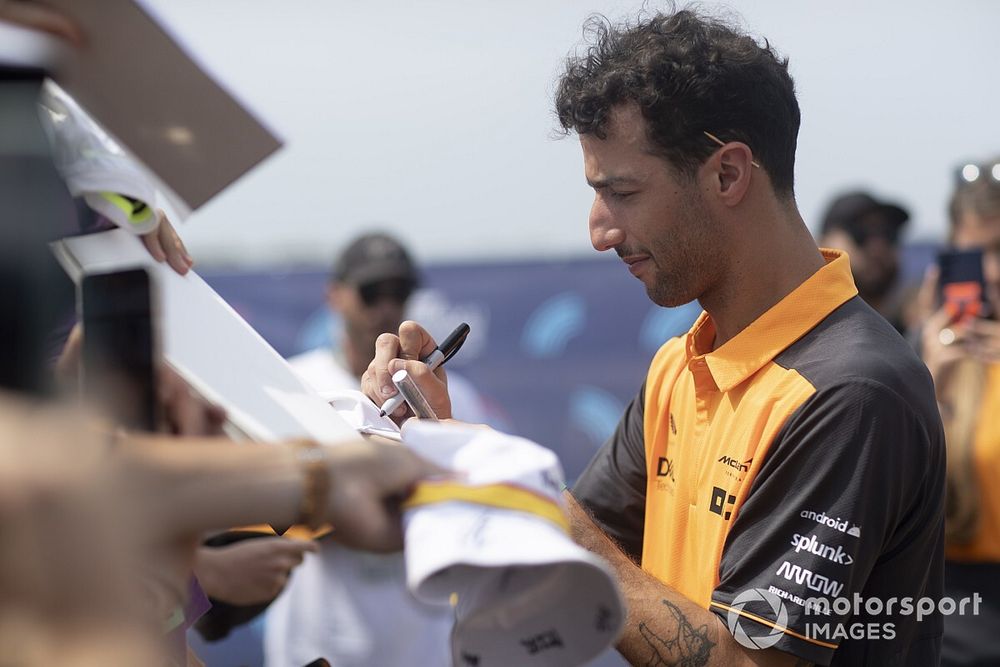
433,120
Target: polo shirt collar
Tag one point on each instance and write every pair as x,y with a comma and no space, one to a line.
775,330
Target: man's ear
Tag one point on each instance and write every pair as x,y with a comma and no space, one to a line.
732,169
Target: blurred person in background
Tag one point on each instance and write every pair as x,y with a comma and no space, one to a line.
964,359
339,603
370,286
868,230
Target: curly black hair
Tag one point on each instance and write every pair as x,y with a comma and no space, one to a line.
688,74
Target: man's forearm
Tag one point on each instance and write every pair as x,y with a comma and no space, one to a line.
662,626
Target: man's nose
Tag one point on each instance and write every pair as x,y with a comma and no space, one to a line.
605,233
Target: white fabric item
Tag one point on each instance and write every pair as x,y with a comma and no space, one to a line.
527,594
92,163
24,47
347,606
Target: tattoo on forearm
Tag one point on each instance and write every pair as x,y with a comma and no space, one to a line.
689,647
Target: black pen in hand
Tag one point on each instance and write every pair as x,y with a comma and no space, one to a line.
442,353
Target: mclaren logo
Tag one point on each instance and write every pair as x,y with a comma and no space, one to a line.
735,464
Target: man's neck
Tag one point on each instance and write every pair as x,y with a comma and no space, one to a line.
776,255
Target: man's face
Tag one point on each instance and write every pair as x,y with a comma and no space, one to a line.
647,212
371,309
977,232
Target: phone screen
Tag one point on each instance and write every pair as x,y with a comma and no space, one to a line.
119,346
963,287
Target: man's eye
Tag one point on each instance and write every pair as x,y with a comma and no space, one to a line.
621,195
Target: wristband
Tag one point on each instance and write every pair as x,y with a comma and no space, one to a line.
315,484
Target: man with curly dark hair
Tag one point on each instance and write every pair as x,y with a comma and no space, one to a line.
774,494
783,460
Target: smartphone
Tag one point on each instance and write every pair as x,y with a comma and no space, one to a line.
119,354
962,285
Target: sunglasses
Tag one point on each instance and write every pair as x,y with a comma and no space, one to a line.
397,291
971,172
861,232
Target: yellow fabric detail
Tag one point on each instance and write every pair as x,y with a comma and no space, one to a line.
782,324
136,212
503,496
985,545
296,532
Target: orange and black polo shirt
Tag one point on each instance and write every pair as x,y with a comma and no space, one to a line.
804,457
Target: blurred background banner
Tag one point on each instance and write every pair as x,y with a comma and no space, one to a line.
557,349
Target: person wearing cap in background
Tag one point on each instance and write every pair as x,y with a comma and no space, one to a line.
349,607
868,231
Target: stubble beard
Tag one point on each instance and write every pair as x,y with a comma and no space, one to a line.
683,262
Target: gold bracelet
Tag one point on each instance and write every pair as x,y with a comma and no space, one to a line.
315,484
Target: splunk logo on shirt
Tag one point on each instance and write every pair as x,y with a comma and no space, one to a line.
836,524
814,546
809,579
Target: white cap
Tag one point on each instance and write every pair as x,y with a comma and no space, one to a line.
496,537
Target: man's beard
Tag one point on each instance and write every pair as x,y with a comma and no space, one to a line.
682,262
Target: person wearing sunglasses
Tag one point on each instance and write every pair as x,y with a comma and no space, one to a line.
964,358
351,607
868,230
371,281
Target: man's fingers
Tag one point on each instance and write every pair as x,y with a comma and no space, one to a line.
176,254
403,469
386,349
986,329
414,341
38,17
153,245
296,547
373,524
432,384
369,478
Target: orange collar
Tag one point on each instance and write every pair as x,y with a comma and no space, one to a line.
780,326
